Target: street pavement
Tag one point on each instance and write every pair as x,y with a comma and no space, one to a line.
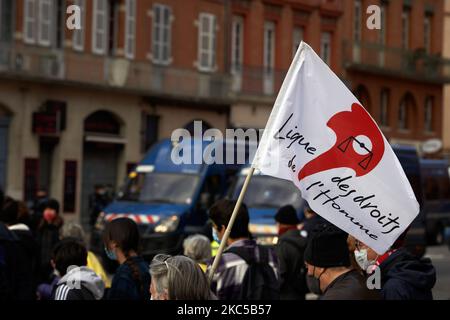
440,256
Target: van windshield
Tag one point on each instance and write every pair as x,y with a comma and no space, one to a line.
161,188
265,191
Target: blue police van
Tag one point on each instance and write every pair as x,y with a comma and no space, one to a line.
169,200
436,188
409,159
264,196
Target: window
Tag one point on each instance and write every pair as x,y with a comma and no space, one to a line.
383,29
357,21
269,46
429,114
384,105
130,28
78,35
402,116
112,25
100,26
6,20
207,42
161,35
30,21
405,29
427,34
269,57
325,47
45,22
297,38
237,35
59,24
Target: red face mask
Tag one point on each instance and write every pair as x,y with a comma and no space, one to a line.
49,215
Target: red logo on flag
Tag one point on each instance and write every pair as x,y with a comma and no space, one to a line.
359,144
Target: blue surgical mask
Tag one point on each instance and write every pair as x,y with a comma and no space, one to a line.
110,254
215,235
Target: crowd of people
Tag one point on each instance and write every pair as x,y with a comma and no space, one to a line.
43,258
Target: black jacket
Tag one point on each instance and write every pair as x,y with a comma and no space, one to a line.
406,277
14,270
290,250
47,237
28,259
349,286
127,285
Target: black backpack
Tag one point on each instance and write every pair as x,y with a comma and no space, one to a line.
299,278
260,281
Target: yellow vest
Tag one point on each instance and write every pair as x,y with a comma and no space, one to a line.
94,264
214,248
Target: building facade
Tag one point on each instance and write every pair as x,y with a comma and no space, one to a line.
397,72
446,99
81,107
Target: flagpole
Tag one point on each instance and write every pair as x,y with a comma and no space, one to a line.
223,242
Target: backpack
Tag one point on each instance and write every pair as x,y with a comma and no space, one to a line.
260,281
299,279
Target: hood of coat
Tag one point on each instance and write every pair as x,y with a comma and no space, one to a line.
85,277
401,265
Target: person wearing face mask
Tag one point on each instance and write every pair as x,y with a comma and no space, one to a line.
48,236
403,276
132,279
290,250
330,274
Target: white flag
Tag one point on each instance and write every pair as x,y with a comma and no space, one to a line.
321,138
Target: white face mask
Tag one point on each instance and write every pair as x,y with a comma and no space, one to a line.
363,261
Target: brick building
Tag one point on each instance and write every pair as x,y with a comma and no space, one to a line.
397,72
81,107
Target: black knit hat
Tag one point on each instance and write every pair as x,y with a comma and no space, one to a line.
327,247
52,204
287,215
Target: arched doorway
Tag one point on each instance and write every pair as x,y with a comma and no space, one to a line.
103,145
190,126
362,94
5,119
407,110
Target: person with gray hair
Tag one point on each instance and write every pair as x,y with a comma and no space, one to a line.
198,248
72,230
178,278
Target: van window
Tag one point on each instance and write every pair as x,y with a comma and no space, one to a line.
268,192
161,187
437,187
